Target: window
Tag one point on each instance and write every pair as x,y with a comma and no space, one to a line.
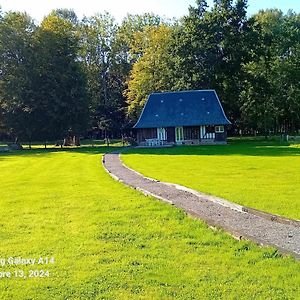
220,129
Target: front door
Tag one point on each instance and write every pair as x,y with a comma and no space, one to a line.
179,134
161,134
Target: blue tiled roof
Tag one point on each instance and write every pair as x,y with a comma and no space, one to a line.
187,108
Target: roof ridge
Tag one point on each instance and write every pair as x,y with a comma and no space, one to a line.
184,91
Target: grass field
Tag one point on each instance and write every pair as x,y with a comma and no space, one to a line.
262,175
52,144
111,242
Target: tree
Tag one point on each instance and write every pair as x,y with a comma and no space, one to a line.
151,72
128,53
17,105
65,75
270,100
131,25
211,47
287,69
66,14
59,79
101,68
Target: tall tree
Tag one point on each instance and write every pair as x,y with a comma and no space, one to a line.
108,60
59,79
66,14
17,106
270,100
100,64
211,47
151,72
129,35
56,76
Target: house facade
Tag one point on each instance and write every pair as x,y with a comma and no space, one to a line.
187,117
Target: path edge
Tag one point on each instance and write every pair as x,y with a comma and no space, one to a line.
210,222
221,201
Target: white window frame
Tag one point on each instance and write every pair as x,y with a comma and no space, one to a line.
219,129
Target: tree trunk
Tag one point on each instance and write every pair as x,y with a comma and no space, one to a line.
265,126
76,140
67,141
123,140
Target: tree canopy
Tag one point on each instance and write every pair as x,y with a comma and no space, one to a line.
67,75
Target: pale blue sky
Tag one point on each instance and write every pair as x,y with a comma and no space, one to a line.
119,8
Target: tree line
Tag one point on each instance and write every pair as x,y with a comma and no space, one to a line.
67,76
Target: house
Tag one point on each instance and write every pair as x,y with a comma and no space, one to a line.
187,117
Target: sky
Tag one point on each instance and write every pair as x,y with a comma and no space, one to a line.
119,8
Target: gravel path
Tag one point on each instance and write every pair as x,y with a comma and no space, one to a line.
263,229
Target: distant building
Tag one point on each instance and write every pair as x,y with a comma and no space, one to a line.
188,117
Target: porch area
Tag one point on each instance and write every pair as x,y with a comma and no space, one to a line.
181,135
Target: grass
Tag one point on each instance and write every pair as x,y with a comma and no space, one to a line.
262,175
111,242
52,144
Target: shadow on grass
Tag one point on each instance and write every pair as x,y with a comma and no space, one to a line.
261,148
40,152
247,148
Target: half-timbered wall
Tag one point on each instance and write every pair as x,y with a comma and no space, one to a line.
146,133
191,133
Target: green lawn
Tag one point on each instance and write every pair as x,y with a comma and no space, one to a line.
262,175
111,242
52,144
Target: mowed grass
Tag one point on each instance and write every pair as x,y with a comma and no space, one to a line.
111,242
261,175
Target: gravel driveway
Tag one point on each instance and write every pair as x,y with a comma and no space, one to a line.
264,229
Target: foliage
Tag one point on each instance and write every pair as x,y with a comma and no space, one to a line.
131,25
16,57
67,75
252,63
111,242
205,51
260,175
151,73
97,34
271,98
107,61
60,78
212,46
42,92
